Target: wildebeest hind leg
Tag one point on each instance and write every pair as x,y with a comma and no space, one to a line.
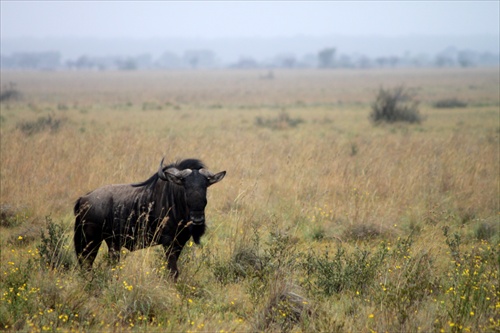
114,249
88,244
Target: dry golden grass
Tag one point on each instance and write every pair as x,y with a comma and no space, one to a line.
333,180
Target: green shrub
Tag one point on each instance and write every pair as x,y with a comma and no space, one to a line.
396,105
472,286
449,103
486,230
283,309
362,231
244,262
9,93
282,121
54,252
331,275
49,123
317,233
407,281
10,217
17,289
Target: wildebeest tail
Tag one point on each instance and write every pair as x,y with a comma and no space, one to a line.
78,236
76,209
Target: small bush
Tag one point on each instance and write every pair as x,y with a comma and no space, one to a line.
486,230
397,105
450,103
318,233
52,249
330,275
151,106
283,309
41,124
362,231
62,107
15,301
9,93
282,121
472,283
245,261
9,217
406,282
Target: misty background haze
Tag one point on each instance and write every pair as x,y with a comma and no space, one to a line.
154,34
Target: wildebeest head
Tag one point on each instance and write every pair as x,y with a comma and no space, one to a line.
195,183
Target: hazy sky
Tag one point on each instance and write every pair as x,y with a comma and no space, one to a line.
143,19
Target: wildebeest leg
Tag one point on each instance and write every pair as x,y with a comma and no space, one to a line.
172,253
114,248
88,243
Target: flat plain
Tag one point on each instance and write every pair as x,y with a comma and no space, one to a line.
324,222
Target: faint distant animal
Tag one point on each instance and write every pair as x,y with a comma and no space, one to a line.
166,209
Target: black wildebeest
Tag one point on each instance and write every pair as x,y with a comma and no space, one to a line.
166,209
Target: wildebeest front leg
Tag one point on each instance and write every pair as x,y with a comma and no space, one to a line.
172,253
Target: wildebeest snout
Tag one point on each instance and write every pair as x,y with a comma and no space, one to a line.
197,218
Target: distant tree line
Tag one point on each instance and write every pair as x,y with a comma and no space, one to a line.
32,60
325,58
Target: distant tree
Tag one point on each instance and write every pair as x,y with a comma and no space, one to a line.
128,64
285,61
32,60
169,60
444,61
465,58
309,60
326,58
246,62
395,105
289,62
200,58
344,61
364,62
193,61
83,62
144,60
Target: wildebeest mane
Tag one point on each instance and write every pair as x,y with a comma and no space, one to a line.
190,163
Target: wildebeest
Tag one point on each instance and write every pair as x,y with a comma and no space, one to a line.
166,209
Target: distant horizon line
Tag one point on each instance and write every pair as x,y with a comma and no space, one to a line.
261,37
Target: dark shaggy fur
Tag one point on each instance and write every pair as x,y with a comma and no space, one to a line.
155,211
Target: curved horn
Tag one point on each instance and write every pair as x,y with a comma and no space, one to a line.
175,175
206,173
179,173
161,174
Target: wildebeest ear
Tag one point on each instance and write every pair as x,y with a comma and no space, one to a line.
176,176
212,179
217,177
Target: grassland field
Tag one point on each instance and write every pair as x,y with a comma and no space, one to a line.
324,222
